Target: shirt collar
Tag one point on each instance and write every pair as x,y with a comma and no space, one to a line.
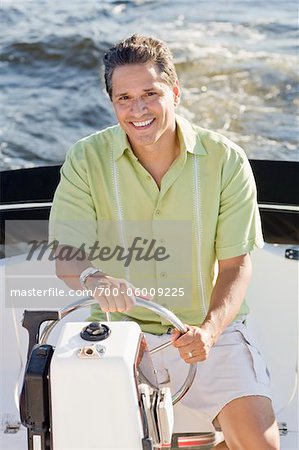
121,143
188,137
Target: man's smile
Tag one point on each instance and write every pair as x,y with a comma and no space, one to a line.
143,125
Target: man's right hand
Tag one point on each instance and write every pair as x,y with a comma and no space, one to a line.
113,294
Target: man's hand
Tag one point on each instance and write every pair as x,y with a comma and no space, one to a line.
113,294
194,345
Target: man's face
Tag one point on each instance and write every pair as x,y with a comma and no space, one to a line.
144,105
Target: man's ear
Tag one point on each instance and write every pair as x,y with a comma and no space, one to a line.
176,93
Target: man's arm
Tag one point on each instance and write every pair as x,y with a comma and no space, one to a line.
228,294
226,299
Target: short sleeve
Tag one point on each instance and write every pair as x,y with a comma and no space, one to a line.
239,225
73,218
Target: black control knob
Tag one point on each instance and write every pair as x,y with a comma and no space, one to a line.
95,331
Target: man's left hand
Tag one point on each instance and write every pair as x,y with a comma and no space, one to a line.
194,345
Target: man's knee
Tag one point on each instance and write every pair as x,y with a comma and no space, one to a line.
249,423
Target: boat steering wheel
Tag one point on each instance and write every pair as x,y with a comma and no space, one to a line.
154,307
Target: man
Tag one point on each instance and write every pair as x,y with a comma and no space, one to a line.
156,166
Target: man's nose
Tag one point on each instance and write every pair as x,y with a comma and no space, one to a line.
138,106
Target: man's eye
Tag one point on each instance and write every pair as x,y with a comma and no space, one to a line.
150,94
124,97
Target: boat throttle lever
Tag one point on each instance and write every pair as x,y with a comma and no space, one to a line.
32,321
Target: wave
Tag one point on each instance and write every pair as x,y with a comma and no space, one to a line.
73,50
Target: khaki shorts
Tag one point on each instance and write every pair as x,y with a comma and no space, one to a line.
234,369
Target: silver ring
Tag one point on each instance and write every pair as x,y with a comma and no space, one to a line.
190,355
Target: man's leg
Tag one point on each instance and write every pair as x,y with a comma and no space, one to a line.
248,423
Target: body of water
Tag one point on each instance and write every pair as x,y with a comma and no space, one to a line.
236,61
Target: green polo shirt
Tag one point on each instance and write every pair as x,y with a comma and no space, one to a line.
204,211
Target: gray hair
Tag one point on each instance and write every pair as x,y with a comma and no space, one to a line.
139,49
